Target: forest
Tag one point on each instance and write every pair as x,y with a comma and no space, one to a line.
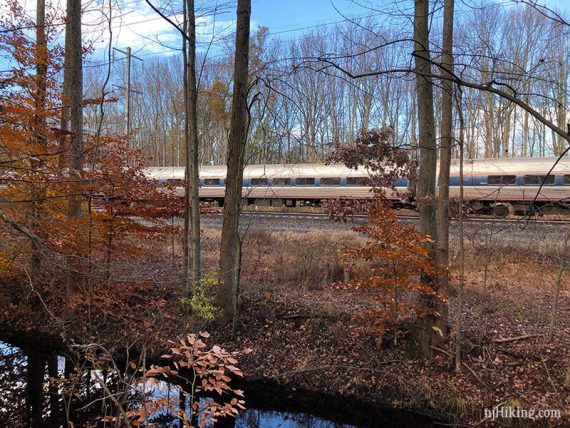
132,301
307,102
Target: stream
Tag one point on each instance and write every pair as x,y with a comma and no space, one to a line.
27,398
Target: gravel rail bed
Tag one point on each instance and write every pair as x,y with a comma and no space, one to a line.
516,231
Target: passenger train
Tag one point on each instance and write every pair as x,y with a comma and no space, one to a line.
501,186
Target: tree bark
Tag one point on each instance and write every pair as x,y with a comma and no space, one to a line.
195,144
75,86
446,137
40,124
41,72
192,173
445,154
426,334
459,313
230,251
72,119
556,300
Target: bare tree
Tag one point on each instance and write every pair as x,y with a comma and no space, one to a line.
191,235
230,251
431,329
563,261
192,178
459,310
446,133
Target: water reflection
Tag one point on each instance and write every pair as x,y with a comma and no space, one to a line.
26,397
29,397
253,418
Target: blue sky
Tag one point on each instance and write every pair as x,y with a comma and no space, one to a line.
136,25
287,15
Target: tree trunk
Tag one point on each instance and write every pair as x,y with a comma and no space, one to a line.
445,153
459,312
427,334
72,118
54,404
192,177
561,268
230,251
75,79
41,72
446,137
37,193
506,132
36,365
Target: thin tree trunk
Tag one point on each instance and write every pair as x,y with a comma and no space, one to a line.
230,251
506,132
73,32
446,138
562,267
63,158
41,72
459,312
187,195
40,124
192,199
525,133
195,144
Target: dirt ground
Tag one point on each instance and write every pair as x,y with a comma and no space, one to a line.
303,332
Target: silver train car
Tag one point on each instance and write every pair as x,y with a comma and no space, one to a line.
501,186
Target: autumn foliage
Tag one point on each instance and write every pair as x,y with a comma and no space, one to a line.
375,151
388,270
201,374
122,210
95,278
390,266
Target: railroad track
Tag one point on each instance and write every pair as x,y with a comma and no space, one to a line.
322,216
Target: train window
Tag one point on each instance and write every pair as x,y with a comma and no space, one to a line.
567,179
175,181
211,182
356,181
330,181
258,181
501,179
305,181
281,181
537,179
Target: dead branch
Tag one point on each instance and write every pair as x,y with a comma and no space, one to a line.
514,339
464,364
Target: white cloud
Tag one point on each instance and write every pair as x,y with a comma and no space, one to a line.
134,24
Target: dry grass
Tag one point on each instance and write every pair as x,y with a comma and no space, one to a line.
305,261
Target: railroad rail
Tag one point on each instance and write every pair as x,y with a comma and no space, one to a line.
323,216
